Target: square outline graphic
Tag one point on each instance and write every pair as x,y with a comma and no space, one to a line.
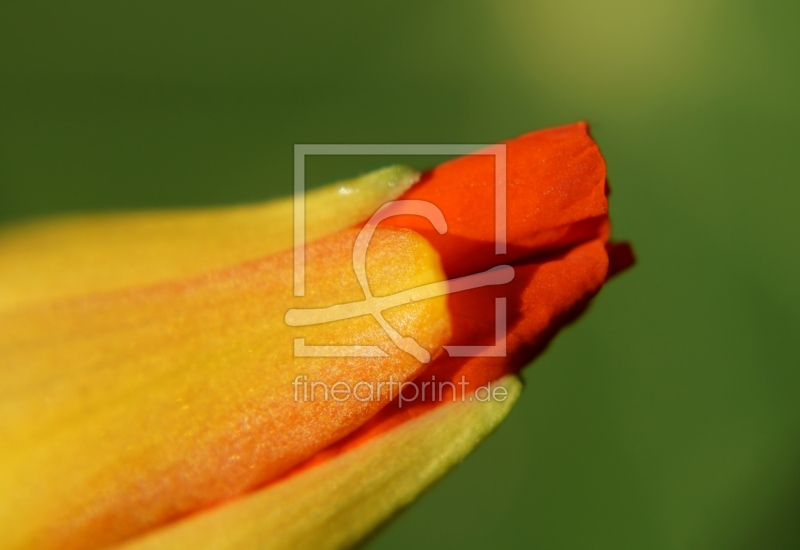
301,151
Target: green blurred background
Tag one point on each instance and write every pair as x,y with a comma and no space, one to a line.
669,417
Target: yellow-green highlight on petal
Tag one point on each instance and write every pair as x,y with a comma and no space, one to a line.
86,254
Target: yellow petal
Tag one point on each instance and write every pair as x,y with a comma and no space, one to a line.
336,503
96,253
120,411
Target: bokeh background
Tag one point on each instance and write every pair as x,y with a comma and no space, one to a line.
669,417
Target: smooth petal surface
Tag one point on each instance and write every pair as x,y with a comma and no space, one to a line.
124,410
540,303
336,503
155,379
560,262
556,198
